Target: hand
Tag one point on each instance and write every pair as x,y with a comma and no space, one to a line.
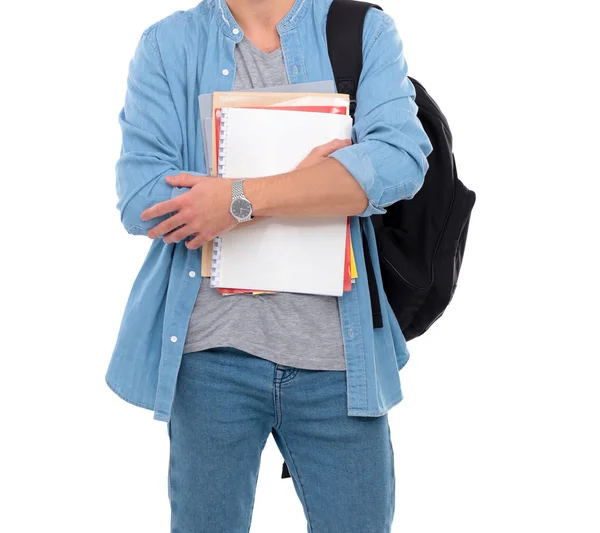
321,153
203,211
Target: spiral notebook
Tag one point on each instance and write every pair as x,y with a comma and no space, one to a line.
287,254
297,100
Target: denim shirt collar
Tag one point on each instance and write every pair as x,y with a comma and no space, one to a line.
228,24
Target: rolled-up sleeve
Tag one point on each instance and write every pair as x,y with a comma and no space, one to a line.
152,139
390,150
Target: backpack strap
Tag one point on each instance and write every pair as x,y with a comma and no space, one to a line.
345,42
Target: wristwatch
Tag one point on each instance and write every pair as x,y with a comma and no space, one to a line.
240,207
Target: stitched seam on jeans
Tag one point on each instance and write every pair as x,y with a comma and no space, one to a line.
289,377
276,398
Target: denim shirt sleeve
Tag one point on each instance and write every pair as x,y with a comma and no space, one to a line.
389,154
152,139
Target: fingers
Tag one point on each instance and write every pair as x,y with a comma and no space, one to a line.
196,242
162,208
167,225
320,153
183,180
325,150
179,234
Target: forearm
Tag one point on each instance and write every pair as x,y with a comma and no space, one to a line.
320,190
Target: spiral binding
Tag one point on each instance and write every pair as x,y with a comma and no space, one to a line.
221,159
215,263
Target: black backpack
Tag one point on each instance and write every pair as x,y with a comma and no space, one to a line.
420,242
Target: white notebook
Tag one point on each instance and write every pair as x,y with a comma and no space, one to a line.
283,254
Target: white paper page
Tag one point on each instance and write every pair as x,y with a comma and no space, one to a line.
264,142
289,254
205,103
329,100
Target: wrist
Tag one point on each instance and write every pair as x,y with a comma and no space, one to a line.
257,192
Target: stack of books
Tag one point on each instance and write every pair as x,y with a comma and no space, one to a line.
263,133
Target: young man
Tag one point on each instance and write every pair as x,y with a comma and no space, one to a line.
225,372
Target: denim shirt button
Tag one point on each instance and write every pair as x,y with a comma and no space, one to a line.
225,72
192,274
295,70
173,339
351,332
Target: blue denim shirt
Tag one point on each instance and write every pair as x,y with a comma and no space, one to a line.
192,52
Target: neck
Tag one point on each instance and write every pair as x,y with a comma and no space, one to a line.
259,18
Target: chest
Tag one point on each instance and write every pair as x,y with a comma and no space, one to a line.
255,68
207,61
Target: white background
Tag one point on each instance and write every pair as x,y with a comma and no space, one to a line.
499,428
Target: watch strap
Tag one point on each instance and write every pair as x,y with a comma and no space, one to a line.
237,188
237,191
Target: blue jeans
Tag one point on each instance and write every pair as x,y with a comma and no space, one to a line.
227,402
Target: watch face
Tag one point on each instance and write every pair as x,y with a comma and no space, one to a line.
241,208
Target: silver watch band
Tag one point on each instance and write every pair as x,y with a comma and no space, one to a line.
237,193
237,188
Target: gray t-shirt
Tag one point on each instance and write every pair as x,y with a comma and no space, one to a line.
300,330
